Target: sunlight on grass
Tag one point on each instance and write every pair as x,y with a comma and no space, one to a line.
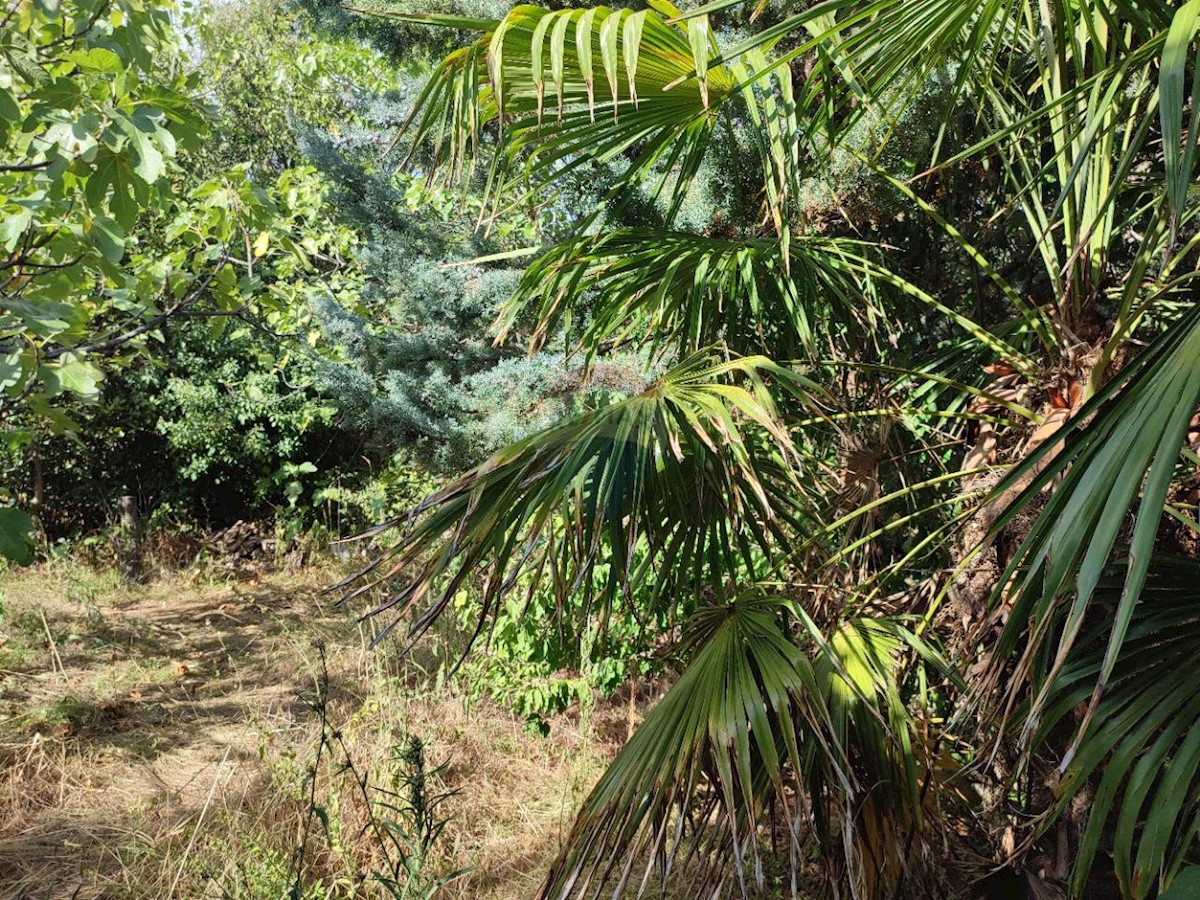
109,760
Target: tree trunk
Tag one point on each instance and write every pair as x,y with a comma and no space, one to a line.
130,541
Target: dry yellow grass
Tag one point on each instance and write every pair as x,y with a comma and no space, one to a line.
153,743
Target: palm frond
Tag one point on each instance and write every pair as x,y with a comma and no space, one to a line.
681,487
1179,161
1142,754
1120,449
567,87
682,292
694,757
756,735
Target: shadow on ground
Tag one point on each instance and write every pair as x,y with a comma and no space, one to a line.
157,741
120,716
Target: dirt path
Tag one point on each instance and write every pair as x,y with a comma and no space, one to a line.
153,743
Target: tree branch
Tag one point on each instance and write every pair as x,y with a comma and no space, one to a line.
107,345
26,167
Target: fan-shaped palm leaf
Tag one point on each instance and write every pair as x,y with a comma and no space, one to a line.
695,756
689,481
570,86
1124,444
1143,750
755,732
681,291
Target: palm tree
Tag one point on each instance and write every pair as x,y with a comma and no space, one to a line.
883,655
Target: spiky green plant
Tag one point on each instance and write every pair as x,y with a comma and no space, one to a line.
802,510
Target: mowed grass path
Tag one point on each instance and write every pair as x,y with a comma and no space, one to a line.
155,742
